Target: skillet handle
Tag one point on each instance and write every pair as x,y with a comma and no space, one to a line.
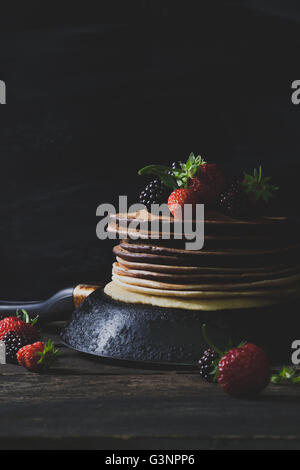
82,291
58,307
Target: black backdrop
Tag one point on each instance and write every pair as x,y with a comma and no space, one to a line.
93,95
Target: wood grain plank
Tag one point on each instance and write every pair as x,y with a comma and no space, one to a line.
89,405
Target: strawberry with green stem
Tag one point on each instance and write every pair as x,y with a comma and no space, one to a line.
248,197
38,357
258,187
243,371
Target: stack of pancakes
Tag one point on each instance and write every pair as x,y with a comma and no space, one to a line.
243,264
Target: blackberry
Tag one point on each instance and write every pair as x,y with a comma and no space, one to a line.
206,364
234,201
174,166
13,342
154,193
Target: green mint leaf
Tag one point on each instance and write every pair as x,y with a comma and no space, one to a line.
287,375
275,379
154,170
162,172
168,181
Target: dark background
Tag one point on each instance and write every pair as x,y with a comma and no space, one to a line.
94,94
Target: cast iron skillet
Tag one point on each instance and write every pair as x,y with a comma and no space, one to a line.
155,337
172,338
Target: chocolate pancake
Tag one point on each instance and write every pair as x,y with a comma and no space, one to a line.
215,242
153,247
170,256
216,223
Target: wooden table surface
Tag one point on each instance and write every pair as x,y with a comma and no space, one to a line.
85,404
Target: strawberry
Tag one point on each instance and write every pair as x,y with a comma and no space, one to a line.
207,191
212,171
244,372
178,199
209,184
38,356
23,326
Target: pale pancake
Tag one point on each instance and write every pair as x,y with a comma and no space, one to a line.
198,269
203,278
161,267
215,224
118,293
278,293
269,284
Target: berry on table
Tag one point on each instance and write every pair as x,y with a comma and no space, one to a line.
13,342
207,364
38,356
244,372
